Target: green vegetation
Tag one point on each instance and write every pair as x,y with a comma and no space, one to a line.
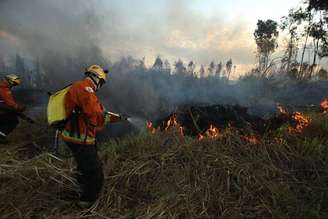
166,175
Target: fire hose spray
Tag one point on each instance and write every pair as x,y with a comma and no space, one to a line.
137,122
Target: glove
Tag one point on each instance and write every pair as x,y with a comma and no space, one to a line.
107,118
112,117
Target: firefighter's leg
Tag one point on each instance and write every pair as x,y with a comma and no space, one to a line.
8,122
91,176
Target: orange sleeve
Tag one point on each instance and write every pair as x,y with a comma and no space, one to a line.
7,97
91,107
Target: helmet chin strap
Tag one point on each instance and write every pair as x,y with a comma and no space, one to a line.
95,80
11,84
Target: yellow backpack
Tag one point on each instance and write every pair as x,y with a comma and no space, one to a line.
56,108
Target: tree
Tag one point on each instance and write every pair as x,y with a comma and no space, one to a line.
290,23
319,30
318,5
180,67
191,68
158,64
218,69
202,71
229,68
167,67
211,68
141,63
313,19
318,33
21,70
323,52
37,79
266,36
2,65
323,74
308,18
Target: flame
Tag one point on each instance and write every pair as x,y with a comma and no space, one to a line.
252,139
211,133
324,105
302,122
181,131
172,122
150,127
200,137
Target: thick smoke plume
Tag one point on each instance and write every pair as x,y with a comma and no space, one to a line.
64,35
153,93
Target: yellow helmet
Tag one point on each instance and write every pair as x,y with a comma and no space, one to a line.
97,71
13,79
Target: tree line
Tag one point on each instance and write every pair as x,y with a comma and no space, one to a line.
307,30
190,68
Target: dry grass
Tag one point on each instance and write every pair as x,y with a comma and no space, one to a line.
166,176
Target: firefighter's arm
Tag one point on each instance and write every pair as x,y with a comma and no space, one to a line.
92,108
8,98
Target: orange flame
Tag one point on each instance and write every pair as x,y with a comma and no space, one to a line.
150,127
211,133
324,105
200,137
302,122
181,131
172,122
252,139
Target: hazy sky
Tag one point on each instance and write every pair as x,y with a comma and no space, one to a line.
198,30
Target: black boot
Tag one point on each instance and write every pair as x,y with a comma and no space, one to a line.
3,138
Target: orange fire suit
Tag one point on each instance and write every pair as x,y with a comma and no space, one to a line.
85,113
6,96
8,120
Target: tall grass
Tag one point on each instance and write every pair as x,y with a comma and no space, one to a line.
167,176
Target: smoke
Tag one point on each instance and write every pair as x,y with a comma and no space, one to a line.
152,93
8,36
68,35
50,25
174,29
61,34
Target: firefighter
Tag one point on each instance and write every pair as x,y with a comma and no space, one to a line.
86,116
8,107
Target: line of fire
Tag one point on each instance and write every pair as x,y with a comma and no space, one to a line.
214,122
